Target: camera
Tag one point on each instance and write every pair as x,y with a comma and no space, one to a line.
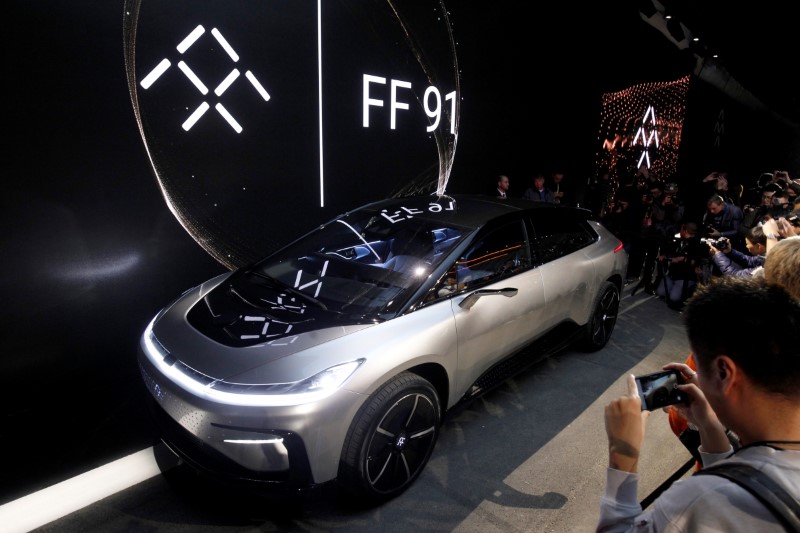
720,243
707,230
659,389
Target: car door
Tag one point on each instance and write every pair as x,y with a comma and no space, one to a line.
502,305
568,273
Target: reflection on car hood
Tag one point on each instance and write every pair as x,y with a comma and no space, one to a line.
194,332
238,313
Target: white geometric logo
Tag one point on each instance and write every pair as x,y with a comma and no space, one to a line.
223,86
651,136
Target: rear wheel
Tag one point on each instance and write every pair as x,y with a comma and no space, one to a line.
604,317
391,439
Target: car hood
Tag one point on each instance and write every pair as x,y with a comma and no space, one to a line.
192,332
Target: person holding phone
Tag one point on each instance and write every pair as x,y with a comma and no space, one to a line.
660,389
742,383
782,268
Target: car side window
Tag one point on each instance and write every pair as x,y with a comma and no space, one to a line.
557,236
496,254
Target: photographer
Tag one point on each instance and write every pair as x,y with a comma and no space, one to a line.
722,220
668,211
780,207
679,266
733,262
741,383
755,215
717,183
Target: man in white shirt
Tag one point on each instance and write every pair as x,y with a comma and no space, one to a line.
743,333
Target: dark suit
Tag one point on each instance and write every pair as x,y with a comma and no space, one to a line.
546,195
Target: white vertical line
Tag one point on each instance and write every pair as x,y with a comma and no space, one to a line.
319,89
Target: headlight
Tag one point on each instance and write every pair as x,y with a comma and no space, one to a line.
327,380
311,389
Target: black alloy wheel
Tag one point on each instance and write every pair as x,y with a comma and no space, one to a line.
391,439
603,319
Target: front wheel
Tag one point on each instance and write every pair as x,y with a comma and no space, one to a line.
391,439
604,317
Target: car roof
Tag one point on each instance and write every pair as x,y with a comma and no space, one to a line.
468,210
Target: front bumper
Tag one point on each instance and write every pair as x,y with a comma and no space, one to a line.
206,458
256,443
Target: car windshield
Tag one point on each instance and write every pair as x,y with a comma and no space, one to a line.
364,264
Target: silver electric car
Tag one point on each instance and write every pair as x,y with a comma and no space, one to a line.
336,357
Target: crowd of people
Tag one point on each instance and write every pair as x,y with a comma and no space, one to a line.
734,269
549,189
677,243
742,381
732,265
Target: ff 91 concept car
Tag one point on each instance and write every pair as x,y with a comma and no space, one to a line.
336,357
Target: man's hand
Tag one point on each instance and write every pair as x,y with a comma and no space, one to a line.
625,429
779,226
698,412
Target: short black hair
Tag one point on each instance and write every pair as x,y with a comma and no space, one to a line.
754,323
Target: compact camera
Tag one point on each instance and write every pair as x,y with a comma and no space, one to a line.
659,389
720,243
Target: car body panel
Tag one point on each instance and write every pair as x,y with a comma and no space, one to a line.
567,299
496,326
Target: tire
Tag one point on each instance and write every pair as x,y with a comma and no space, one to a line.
604,318
390,440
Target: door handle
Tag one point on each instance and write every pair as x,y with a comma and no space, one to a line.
470,300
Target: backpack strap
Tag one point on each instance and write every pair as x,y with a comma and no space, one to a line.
782,504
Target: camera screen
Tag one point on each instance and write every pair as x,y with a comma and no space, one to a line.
658,389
